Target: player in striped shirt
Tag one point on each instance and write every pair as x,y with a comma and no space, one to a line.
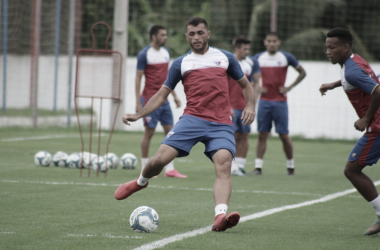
361,85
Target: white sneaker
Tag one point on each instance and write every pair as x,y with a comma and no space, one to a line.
237,172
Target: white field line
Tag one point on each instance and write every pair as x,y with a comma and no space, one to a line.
154,186
106,235
179,237
42,137
7,232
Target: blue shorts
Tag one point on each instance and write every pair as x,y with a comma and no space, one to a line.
237,123
190,130
366,150
163,115
272,111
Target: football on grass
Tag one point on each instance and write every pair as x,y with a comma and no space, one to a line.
74,160
144,219
128,161
113,158
60,159
42,158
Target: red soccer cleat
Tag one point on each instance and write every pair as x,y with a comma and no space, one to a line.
174,173
223,221
127,189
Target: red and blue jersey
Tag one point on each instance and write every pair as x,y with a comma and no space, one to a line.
155,64
273,73
205,81
250,66
358,81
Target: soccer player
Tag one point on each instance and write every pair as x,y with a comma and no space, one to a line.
204,73
361,85
273,106
153,62
251,69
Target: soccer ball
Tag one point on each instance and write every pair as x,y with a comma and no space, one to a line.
60,159
88,158
113,158
144,220
42,158
128,161
74,160
101,164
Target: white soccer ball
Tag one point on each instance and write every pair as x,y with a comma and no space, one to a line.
42,158
101,164
128,161
144,219
74,160
88,158
113,158
60,159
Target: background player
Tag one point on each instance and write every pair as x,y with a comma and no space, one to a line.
273,106
251,69
362,88
204,73
153,62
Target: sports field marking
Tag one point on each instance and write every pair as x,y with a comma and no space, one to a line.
42,137
154,186
106,236
7,232
179,237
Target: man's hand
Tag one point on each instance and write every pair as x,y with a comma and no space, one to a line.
284,90
177,102
248,115
361,124
325,87
130,118
263,91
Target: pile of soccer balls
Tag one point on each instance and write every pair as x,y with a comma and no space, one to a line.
85,159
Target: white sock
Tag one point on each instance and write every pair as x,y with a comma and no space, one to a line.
290,163
169,167
259,163
234,166
221,209
241,162
376,205
143,163
141,181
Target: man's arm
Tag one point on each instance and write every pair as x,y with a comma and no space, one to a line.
363,123
154,103
329,86
139,74
301,76
176,99
249,113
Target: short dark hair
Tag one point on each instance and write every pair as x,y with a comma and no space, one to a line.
239,41
154,30
342,34
195,21
272,33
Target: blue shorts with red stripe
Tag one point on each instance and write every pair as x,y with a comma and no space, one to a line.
366,150
273,111
190,130
163,115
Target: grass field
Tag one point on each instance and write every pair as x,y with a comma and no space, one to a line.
54,208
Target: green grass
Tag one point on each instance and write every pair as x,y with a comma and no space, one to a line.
12,112
54,208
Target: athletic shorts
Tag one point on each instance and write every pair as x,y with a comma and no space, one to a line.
366,150
273,111
237,123
163,115
190,130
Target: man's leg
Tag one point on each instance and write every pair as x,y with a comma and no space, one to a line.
242,146
170,171
366,188
260,151
222,191
145,144
164,155
288,149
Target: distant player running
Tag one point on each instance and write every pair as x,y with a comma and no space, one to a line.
153,62
204,73
362,88
273,106
251,69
